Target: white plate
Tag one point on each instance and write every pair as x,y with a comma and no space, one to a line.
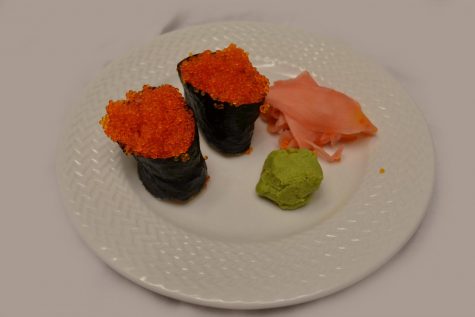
228,248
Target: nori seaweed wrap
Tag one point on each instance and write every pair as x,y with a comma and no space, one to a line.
227,128
177,178
225,92
157,127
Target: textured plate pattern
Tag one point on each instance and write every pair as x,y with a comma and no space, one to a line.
372,225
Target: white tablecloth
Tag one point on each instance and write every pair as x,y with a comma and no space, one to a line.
49,51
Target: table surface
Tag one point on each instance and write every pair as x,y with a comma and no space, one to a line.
49,51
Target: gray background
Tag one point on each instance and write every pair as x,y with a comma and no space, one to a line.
49,51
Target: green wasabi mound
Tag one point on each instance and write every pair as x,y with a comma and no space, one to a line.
290,177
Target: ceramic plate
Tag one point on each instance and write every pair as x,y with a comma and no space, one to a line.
227,247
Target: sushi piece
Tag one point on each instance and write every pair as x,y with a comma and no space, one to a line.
157,127
225,91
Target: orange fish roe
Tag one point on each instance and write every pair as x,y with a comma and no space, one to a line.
264,108
382,170
226,75
152,123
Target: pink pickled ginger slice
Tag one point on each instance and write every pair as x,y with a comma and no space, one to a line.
315,115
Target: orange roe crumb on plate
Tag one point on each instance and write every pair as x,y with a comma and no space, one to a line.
226,75
264,108
152,123
382,170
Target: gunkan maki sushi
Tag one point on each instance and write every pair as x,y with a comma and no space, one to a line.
225,91
157,127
